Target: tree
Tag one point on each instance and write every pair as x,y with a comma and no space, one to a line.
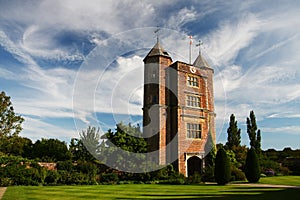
91,139
10,122
222,167
234,133
253,133
15,145
124,148
79,151
127,137
209,160
252,168
240,155
50,150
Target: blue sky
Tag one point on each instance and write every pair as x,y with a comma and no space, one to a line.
67,64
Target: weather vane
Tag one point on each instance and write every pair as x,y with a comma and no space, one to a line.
156,32
199,44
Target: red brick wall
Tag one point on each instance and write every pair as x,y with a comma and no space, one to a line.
172,114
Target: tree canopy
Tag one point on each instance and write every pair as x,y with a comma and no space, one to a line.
10,122
124,148
254,133
222,167
50,150
234,133
252,168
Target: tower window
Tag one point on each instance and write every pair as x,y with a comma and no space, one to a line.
193,130
193,101
154,99
192,81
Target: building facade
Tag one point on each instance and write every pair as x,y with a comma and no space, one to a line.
178,110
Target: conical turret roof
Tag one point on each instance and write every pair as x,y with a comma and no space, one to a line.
157,50
201,62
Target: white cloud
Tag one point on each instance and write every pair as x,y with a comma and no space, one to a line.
40,42
254,53
225,43
14,49
109,90
266,78
6,74
36,128
48,93
48,19
184,15
286,130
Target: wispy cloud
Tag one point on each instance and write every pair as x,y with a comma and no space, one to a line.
225,43
36,128
253,47
184,15
287,130
14,49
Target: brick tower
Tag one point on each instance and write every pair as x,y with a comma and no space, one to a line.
178,111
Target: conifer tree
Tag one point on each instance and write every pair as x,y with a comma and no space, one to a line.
209,160
222,167
253,133
252,168
234,133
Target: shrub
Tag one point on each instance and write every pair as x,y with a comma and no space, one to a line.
4,182
222,167
79,178
52,177
27,176
208,175
64,177
111,178
252,169
237,174
163,174
65,165
284,171
267,165
269,172
196,178
175,179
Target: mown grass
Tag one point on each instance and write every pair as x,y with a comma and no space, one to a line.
147,191
281,180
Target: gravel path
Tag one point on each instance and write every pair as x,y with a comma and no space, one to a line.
2,190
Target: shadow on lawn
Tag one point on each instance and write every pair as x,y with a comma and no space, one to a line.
251,193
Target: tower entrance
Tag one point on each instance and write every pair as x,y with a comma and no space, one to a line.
194,165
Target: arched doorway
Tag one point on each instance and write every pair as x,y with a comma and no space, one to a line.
194,164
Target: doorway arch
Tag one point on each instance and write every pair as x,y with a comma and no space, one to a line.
194,165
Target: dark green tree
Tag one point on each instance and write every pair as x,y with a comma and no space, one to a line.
209,160
10,122
124,148
222,167
79,151
127,137
50,150
15,145
253,133
234,133
240,155
252,167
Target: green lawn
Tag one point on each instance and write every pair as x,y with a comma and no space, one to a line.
281,180
145,191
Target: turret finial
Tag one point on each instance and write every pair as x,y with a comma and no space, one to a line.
199,44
